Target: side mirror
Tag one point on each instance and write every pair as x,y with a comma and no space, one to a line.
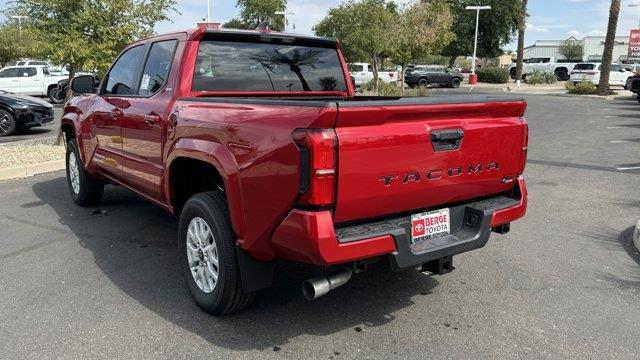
83,84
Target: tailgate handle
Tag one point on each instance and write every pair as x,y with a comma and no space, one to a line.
444,140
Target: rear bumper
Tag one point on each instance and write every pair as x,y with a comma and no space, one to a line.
310,236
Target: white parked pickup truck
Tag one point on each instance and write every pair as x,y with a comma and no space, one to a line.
363,73
560,69
29,80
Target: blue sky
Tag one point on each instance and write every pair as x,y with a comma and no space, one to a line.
549,19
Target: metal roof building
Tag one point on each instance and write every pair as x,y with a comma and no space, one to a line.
592,46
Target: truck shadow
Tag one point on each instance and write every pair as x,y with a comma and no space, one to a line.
133,243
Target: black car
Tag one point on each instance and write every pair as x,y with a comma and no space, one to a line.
21,112
424,75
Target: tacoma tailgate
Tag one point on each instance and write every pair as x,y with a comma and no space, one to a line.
413,154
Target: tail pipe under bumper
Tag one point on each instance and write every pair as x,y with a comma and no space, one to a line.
321,285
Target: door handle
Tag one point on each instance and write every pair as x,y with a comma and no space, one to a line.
152,120
117,112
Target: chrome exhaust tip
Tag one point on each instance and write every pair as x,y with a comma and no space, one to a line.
318,286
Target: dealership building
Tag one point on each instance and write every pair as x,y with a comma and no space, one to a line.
592,48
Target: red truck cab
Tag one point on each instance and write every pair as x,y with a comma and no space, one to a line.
259,144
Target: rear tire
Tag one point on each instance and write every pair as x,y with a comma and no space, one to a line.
7,123
628,83
423,82
85,189
55,96
209,252
561,74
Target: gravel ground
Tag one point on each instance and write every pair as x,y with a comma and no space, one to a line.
27,154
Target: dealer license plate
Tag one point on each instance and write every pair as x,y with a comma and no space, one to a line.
430,225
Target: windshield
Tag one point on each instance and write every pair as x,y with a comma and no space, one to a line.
258,67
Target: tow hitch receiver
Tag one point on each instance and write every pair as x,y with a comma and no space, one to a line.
441,266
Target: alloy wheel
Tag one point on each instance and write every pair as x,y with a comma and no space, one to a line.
5,123
202,255
74,173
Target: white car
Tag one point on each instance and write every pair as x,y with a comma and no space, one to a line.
560,69
363,73
591,72
29,80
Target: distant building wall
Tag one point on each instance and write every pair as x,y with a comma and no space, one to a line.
594,47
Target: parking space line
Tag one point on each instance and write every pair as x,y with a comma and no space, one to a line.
628,168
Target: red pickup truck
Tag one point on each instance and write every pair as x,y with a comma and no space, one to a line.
257,141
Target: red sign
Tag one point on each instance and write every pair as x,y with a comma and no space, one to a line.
634,45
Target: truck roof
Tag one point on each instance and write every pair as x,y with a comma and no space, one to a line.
200,32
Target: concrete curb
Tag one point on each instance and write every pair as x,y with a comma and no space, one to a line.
636,236
30,170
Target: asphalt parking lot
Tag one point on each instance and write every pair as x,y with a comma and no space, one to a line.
564,283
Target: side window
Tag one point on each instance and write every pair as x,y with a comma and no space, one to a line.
45,70
156,70
356,68
121,78
616,67
9,73
28,72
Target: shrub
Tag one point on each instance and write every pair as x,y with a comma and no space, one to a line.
541,77
493,75
581,88
384,89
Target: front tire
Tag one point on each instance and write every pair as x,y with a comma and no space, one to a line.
423,83
628,83
455,83
85,189
7,123
210,260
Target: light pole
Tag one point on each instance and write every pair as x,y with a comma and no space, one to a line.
285,13
475,43
19,17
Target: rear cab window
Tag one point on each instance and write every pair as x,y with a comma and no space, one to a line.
225,66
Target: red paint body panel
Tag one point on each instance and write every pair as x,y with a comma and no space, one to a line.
508,215
250,144
394,141
308,236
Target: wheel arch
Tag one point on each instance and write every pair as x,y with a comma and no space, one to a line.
215,162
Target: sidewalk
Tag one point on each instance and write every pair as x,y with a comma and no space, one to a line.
545,89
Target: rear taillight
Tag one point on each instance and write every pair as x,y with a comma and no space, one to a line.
318,165
525,145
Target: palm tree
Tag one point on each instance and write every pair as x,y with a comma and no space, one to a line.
294,59
614,11
521,29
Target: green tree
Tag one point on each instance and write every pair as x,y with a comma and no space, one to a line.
89,34
422,29
496,27
571,50
255,12
607,55
364,28
16,44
